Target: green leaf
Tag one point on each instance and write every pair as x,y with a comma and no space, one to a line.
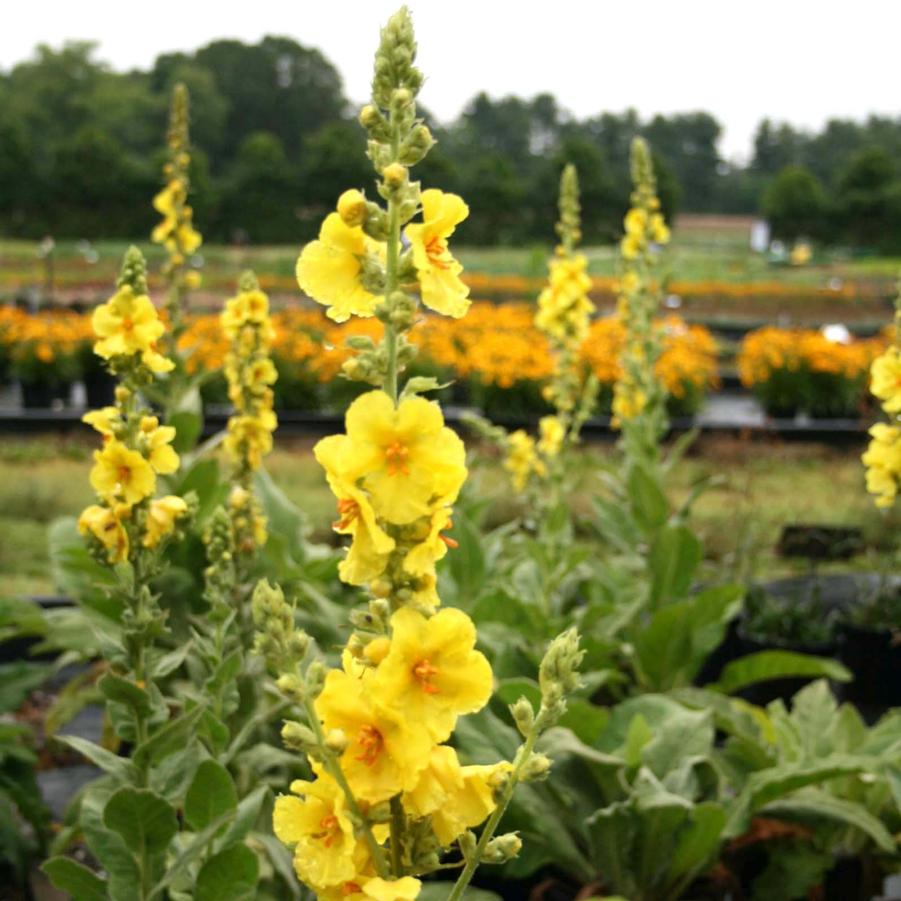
115,688
813,804
204,480
76,880
671,649
648,501
171,737
674,557
18,680
246,815
188,425
765,665
118,767
211,794
230,875
170,662
75,573
466,563
438,891
107,846
586,720
146,822
287,524
699,842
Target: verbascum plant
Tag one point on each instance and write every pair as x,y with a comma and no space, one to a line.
564,314
176,232
638,396
128,524
883,455
389,801
250,374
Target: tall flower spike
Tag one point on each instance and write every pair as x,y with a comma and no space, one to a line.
639,396
176,231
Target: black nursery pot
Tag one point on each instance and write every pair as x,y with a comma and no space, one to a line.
874,657
41,395
99,389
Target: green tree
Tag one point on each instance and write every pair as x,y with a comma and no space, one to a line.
862,197
794,203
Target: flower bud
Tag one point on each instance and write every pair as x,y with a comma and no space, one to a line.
297,736
467,844
316,673
370,116
290,684
523,715
122,394
502,848
336,741
395,175
352,207
377,649
536,768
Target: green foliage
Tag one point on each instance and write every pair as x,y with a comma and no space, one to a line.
794,204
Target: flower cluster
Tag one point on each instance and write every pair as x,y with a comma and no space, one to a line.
389,795
792,370
136,448
176,230
250,374
883,456
638,395
43,347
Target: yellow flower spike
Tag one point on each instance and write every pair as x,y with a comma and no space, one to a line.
385,752
368,555
317,824
127,324
522,460
885,375
352,207
160,453
432,673
883,461
405,455
328,270
552,434
105,421
439,273
162,515
107,527
456,797
121,474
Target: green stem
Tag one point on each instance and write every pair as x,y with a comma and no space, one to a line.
398,824
391,262
525,752
335,771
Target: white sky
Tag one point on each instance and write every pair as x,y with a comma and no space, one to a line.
795,60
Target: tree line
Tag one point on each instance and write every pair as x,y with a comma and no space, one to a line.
275,142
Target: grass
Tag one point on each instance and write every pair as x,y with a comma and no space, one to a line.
758,487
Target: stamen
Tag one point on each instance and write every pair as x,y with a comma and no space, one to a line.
422,673
348,509
396,455
436,251
371,741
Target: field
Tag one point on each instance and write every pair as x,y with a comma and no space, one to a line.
758,488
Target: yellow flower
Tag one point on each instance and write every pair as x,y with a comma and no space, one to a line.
385,752
371,546
432,672
631,246
522,460
456,797
885,374
248,306
107,527
317,824
405,455
352,207
628,402
106,420
422,557
658,228
552,435
404,889
161,517
883,461
250,436
160,453
329,270
439,273
635,222
128,324
121,474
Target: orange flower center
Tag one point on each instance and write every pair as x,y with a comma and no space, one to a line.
450,542
127,324
348,510
436,251
396,455
351,888
371,743
124,474
330,830
422,673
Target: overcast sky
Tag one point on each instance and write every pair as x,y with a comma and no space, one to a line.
793,60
